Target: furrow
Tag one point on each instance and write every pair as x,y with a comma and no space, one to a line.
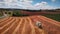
32,27
37,29
4,19
17,28
45,19
21,27
26,28
7,24
4,22
9,27
11,30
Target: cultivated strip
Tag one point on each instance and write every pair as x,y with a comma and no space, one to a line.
23,30
17,27
7,24
44,19
33,29
5,21
9,27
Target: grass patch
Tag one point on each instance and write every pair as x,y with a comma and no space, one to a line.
18,14
53,16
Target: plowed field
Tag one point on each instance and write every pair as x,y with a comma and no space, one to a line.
27,25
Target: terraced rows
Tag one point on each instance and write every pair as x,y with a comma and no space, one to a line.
27,25
19,25
50,26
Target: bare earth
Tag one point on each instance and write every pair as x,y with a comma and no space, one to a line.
27,25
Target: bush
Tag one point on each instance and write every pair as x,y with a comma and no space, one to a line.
1,15
17,13
53,16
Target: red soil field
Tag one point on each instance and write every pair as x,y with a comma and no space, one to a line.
38,13
27,25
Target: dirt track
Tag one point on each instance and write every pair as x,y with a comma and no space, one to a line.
26,25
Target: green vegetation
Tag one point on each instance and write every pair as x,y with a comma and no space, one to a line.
0,14
53,16
17,13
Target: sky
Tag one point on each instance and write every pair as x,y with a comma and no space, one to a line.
30,4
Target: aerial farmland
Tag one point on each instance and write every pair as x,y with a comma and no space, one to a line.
29,16
17,21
